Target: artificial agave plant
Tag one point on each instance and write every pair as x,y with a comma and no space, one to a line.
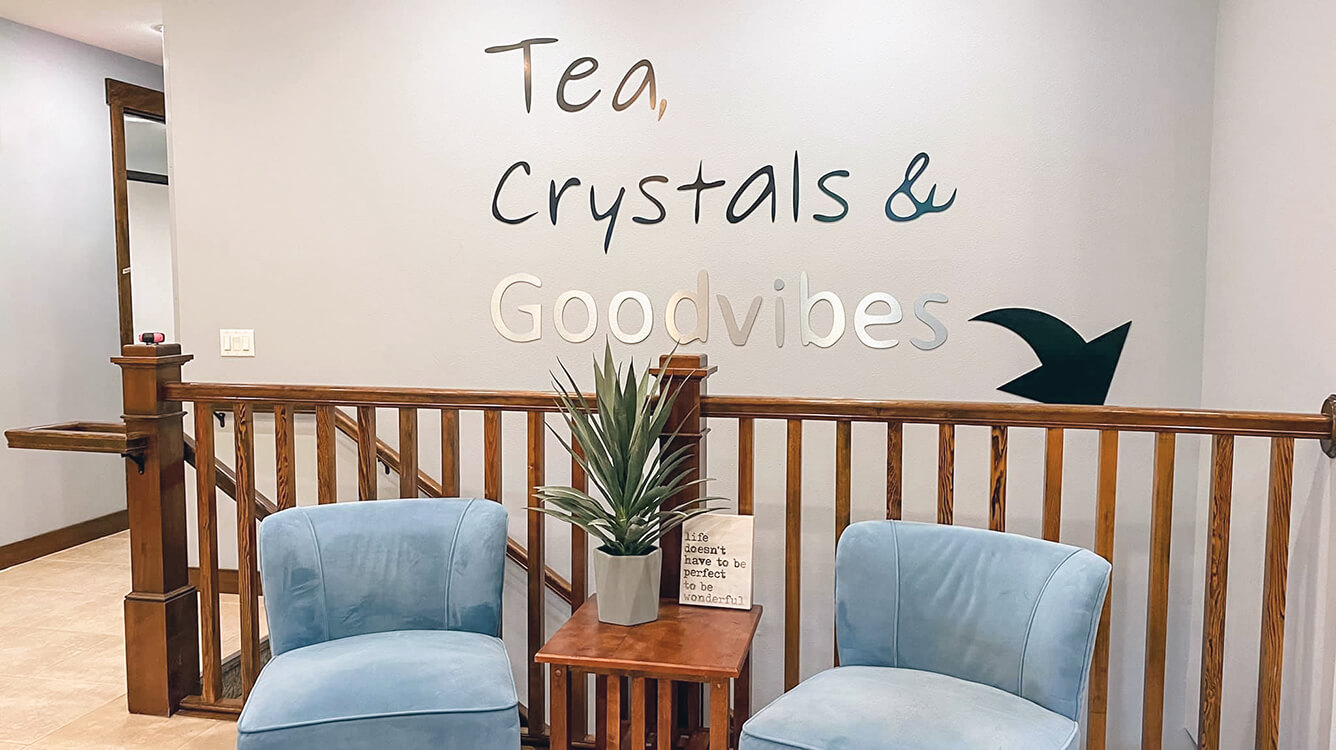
619,440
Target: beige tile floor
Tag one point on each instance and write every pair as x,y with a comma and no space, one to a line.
62,658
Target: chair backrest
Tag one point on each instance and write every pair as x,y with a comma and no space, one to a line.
333,571
1005,610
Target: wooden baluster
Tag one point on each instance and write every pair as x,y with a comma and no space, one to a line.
746,466
537,566
793,537
1105,516
366,453
843,488
601,711
450,452
997,472
1217,577
206,495
1273,593
285,456
247,549
1157,597
408,453
895,450
325,450
843,482
491,444
579,594
1053,483
946,473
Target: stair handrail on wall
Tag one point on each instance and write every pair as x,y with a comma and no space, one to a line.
166,616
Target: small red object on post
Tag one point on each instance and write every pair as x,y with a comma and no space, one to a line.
152,338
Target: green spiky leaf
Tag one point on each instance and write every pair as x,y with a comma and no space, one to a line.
618,432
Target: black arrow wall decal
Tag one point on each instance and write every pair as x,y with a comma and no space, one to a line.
1071,370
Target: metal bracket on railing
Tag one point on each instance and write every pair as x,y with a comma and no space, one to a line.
137,457
381,461
221,416
1329,443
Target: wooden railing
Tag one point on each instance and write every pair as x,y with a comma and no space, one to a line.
167,620
1109,422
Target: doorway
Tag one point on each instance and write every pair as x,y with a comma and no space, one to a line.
145,277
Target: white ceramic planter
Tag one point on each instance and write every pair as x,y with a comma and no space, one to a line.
627,587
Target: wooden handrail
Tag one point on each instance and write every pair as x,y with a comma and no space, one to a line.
1126,418
81,437
382,397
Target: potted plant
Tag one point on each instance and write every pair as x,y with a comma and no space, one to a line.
619,439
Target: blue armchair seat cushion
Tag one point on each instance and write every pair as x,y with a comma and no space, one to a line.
400,689
887,708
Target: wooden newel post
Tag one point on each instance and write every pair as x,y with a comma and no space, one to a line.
162,609
683,374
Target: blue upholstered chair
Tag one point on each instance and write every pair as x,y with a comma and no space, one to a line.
949,637
383,622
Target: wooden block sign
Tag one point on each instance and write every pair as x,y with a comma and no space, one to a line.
717,561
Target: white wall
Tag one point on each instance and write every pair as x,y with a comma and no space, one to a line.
58,283
153,296
1078,135
1268,328
145,145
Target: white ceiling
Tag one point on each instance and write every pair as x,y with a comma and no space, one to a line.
124,26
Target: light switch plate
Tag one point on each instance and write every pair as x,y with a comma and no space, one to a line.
236,342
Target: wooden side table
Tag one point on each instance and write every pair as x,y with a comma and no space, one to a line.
686,644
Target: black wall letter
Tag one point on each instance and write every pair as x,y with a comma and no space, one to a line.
844,204
700,185
768,191
646,80
554,196
572,75
610,214
496,211
525,45
663,214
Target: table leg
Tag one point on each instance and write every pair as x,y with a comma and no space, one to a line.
719,715
560,732
665,729
741,700
614,713
579,703
638,713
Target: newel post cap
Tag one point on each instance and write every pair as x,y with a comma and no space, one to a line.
683,366
152,355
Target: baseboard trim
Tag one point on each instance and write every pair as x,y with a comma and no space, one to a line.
26,550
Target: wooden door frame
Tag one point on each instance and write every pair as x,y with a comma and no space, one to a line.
125,98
